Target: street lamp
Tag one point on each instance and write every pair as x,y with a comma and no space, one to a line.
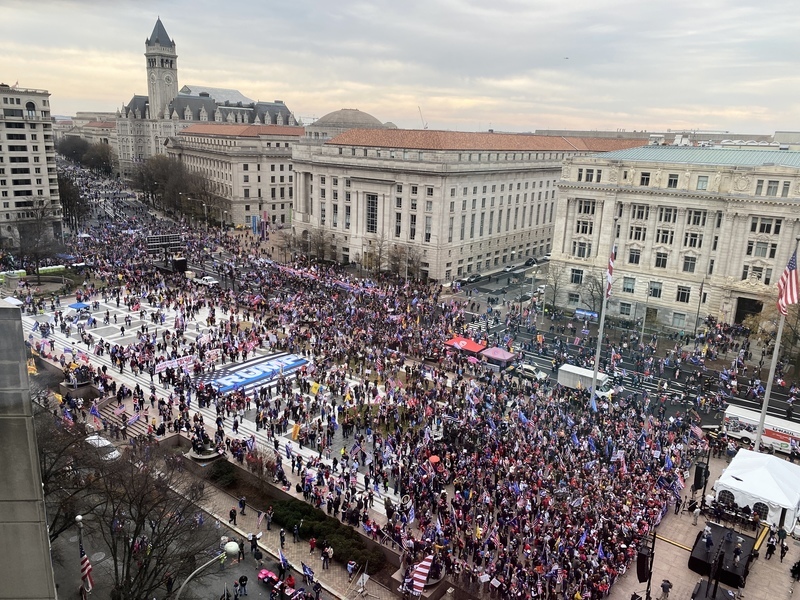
205,212
87,575
231,548
224,218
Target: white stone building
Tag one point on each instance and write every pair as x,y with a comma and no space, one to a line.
453,203
146,122
28,178
248,168
698,232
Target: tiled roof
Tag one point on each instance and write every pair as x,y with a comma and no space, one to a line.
220,95
708,156
242,130
102,124
426,139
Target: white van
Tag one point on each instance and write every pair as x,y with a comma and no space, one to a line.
105,449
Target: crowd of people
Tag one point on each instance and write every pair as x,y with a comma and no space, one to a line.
497,475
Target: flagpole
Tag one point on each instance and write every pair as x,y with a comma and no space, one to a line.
772,368
602,325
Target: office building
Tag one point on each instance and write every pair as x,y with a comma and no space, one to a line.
698,231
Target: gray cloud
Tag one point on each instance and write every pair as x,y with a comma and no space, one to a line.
514,64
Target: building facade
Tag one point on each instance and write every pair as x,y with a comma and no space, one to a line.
437,204
248,169
28,179
146,122
698,231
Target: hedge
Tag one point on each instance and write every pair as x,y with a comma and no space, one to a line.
348,544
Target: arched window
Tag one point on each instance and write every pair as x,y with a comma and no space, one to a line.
30,107
762,510
726,497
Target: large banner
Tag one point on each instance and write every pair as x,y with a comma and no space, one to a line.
253,373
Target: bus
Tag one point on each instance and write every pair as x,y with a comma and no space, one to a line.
742,424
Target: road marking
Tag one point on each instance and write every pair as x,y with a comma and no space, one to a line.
674,543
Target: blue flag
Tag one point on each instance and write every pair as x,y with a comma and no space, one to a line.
591,444
600,554
522,418
411,515
593,405
307,571
668,461
283,559
574,439
94,411
583,539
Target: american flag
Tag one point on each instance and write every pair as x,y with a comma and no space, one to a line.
86,570
610,273
697,432
788,286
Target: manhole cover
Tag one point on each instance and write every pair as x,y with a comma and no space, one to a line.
73,539
98,556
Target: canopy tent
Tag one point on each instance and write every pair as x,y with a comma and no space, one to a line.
14,301
497,354
79,305
461,343
754,478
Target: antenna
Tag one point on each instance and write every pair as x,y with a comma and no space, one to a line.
421,118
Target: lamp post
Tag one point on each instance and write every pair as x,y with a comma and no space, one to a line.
644,316
205,212
79,523
231,548
224,219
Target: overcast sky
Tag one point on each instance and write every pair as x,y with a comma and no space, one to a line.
514,65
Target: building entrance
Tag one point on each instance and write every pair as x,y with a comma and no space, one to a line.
746,307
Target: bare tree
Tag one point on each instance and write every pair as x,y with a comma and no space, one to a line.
37,235
553,281
149,521
320,242
592,290
414,258
397,259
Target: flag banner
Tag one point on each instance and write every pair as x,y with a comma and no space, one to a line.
86,570
610,273
788,286
420,575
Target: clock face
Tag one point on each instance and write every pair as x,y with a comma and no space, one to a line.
168,79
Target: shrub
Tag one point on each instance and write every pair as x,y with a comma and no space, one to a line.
348,544
222,473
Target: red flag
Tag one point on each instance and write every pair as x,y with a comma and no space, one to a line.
86,570
610,273
788,286
420,575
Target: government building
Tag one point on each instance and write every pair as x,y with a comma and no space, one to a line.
697,231
28,179
248,169
435,204
146,122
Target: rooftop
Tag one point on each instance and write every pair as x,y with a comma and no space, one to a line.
242,130
159,36
728,157
426,139
101,124
220,95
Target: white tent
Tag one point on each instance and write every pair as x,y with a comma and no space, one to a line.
763,478
14,301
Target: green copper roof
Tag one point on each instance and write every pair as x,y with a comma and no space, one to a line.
706,156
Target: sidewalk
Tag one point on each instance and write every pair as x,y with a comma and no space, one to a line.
333,580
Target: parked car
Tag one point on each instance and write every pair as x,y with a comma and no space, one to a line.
509,268
546,257
105,449
475,277
522,298
531,262
207,281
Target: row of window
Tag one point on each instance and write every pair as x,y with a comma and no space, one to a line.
655,289
462,156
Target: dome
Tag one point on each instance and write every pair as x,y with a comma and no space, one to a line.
350,118
389,125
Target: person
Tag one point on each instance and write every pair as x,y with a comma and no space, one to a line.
327,555
317,589
268,517
296,533
242,504
666,586
232,516
235,590
709,542
290,582
312,543
784,550
243,585
772,543
351,569
737,554
695,515
240,542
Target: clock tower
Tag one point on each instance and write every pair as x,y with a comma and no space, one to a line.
162,70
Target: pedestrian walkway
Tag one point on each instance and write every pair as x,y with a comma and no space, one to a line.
333,580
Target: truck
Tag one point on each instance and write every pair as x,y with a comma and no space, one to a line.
579,378
207,281
779,434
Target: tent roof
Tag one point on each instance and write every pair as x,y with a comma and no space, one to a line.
497,354
461,343
762,477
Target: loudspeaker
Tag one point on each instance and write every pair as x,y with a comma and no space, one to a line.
643,565
700,475
179,264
